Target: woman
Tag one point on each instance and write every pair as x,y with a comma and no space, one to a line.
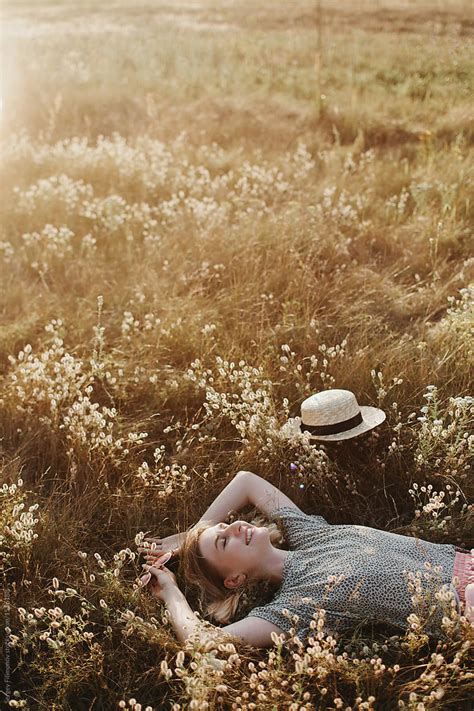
354,572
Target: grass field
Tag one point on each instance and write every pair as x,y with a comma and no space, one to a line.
209,211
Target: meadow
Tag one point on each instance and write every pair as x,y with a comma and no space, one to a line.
209,211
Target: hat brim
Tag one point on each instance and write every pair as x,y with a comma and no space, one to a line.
371,417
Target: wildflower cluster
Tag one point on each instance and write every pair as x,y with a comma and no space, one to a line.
245,684
444,439
435,508
133,705
204,195
132,326
58,193
360,164
310,373
107,574
182,188
238,393
397,204
18,522
420,197
114,215
52,626
53,388
164,479
134,624
42,385
455,328
438,680
16,702
382,388
343,210
42,249
203,677
7,251
427,591
433,194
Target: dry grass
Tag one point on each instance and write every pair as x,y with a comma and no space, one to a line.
175,193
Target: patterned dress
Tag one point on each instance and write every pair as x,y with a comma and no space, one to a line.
356,573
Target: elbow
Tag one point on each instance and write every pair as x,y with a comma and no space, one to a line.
243,474
246,480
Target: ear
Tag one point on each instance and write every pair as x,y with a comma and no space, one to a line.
232,582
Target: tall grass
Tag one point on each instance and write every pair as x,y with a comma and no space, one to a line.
187,251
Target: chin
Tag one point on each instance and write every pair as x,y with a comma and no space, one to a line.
261,535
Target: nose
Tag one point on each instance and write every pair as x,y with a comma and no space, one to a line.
236,528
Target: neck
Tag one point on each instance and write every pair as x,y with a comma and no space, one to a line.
271,568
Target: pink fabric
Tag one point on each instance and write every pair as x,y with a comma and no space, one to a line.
464,571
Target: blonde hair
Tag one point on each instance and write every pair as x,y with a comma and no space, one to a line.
217,601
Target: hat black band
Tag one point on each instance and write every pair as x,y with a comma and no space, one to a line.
333,429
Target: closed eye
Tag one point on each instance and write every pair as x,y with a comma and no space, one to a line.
224,538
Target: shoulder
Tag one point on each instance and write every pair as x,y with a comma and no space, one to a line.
289,515
290,512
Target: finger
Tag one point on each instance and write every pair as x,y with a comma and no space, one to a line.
150,561
163,559
159,560
152,570
152,558
147,546
145,579
158,573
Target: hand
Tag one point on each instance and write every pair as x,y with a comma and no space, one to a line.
160,580
155,547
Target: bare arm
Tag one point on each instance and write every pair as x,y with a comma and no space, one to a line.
186,623
247,488
233,497
265,496
251,630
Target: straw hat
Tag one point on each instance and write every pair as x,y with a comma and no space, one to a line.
334,415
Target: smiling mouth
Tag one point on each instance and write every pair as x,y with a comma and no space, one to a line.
248,536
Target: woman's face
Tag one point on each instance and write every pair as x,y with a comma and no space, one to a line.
235,549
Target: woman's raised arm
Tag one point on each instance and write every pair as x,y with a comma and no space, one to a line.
245,488
233,497
265,496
